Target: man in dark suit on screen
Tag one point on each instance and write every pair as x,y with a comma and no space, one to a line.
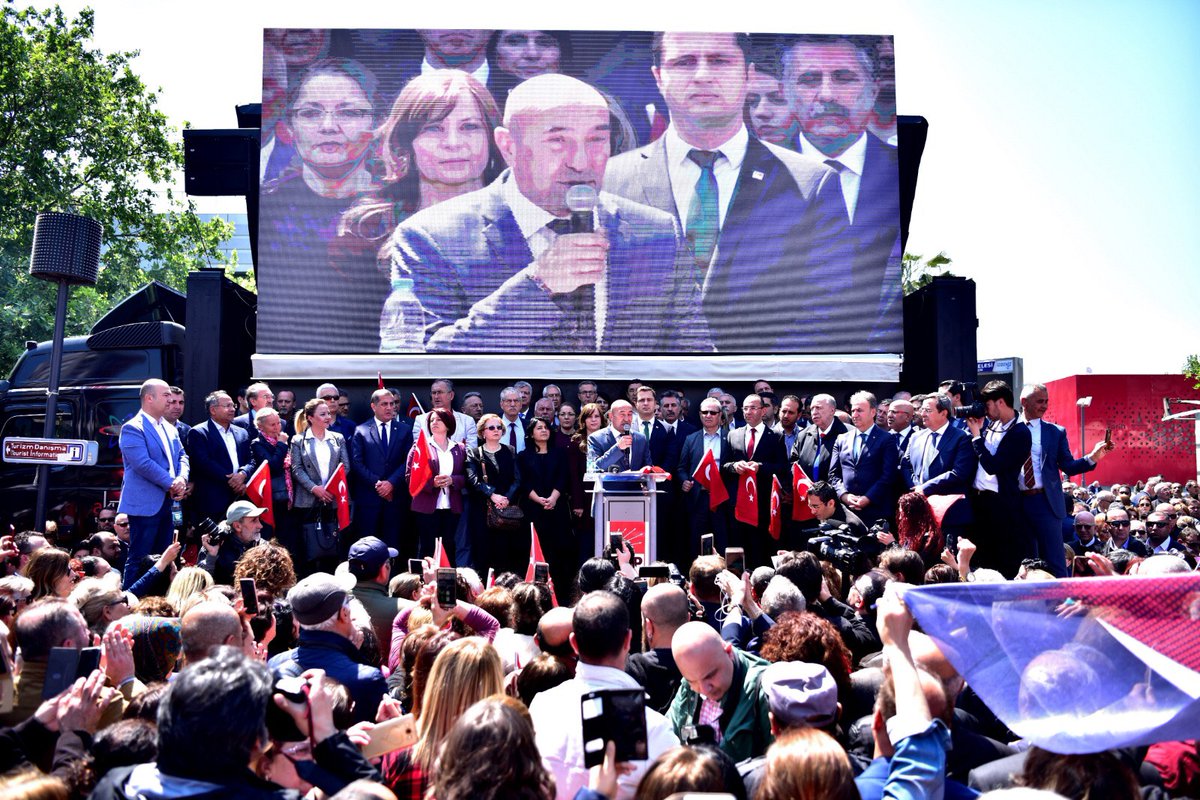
378,453
863,466
500,270
756,217
831,84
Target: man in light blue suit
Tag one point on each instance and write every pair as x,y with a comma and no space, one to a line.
156,472
618,445
1042,501
507,268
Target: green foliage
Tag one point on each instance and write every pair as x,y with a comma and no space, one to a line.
1191,368
917,273
80,132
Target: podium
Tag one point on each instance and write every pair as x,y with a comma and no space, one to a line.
626,503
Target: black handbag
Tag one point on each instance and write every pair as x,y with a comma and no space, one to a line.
510,518
320,537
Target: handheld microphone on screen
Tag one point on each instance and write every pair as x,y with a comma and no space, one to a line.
581,201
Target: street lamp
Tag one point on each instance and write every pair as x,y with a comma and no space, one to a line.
66,249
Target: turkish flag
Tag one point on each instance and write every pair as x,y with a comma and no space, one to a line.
439,555
746,509
414,407
800,486
776,525
535,554
341,493
421,470
258,491
708,475
380,376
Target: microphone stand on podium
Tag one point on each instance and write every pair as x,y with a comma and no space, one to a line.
626,503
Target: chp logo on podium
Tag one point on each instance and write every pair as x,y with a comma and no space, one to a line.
634,532
64,452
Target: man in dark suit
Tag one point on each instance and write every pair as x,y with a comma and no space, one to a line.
758,449
756,216
700,518
831,84
813,450
175,411
672,515
673,422
1042,501
285,404
500,270
863,466
220,458
258,396
938,458
613,447
378,453
646,422
1002,445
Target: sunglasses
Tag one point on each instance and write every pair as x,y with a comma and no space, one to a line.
1156,524
1119,523
120,524
493,427
1084,527
709,413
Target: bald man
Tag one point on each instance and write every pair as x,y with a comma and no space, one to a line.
721,689
664,611
207,625
507,269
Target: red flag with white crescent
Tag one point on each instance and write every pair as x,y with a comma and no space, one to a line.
420,472
258,491
535,553
414,407
379,375
341,493
746,508
708,475
800,486
439,555
776,525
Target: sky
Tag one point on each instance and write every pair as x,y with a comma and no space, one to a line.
1059,171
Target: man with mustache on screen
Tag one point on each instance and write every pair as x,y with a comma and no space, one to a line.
765,227
509,268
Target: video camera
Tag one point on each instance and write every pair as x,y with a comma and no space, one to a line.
848,552
971,408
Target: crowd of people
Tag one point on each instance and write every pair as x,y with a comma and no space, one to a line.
249,659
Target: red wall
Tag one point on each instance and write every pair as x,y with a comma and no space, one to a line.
1132,405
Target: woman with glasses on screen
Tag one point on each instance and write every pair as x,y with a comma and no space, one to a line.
493,477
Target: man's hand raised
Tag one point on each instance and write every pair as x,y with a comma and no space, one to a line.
574,260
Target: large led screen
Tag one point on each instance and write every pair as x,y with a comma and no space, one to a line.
576,192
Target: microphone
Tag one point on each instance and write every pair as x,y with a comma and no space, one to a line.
581,200
626,428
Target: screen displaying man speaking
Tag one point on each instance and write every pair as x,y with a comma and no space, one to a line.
517,191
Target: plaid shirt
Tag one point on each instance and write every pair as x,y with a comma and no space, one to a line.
404,776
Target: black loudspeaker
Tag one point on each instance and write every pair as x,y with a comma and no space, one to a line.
939,334
66,247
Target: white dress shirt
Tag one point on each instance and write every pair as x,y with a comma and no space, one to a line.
758,434
992,436
850,171
510,427
445,467
683,172
164,439
480,73
323,453
712,442
230,444
1035,453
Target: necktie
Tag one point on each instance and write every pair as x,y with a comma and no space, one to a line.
579,305
646,430
817,460
512,435
703,218
858,438
1027,473
930,455
383,435
839,168
750,447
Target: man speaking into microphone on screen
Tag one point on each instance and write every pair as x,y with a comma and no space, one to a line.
541,260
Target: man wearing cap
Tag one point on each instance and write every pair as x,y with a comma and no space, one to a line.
799,695
242,529
321,604
721,689
370,561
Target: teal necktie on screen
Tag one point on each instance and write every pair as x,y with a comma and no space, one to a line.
703,219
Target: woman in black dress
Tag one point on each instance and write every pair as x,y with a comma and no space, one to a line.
492,474
544,499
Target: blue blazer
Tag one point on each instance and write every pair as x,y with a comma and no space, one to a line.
210,461
467,259
147,476
785,224
1056,457
603,452
871,474
370,463
952,469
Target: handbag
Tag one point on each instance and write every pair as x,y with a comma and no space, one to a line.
320,537
510,518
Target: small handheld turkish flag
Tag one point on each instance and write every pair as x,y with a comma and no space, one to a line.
420,472
708,475
440,556
776,526
746,508
535,554
414,409
800,486
341,494
258,491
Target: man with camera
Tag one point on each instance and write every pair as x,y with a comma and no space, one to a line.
830,513
1002,446
225,543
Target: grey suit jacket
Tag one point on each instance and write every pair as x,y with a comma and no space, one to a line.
305,471
467,259
786,227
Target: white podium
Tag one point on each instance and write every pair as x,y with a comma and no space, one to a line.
625,503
